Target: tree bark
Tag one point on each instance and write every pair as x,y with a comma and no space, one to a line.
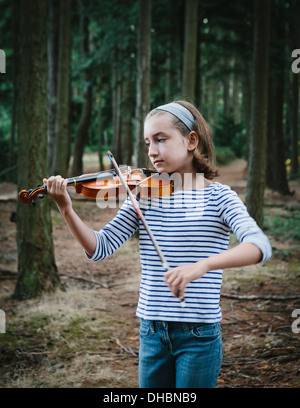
37,271
86,112
226,90
276,169
277,176
270,179
246,104
62,128
190,50
295,125
53,43
116,108
214,108
143,79
295,42
236,96
258,131
16,86
100,125
126,140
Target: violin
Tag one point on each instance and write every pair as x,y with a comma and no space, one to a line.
113,183
107,184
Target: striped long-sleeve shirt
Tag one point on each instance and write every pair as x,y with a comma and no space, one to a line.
189,225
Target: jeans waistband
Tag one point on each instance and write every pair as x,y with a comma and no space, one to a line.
185,326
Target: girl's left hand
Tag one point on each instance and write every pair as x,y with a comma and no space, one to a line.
179,277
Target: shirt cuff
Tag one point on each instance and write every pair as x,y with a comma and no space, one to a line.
263,243
95,256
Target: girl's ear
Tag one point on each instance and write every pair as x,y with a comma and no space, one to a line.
192,141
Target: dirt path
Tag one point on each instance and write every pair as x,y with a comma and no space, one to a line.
88,335
234,174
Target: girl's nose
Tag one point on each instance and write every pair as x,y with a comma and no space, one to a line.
152,150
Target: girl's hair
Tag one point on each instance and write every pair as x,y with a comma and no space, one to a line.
204,154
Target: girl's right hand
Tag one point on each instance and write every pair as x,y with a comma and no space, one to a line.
57,189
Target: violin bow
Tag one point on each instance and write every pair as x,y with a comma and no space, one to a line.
142,218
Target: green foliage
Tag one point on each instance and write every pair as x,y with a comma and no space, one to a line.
285,227
6,88
224,156
231,135
4,144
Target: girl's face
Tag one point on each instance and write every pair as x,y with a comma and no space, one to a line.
168,150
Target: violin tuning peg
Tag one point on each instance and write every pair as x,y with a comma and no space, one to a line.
30,190
40,195
33,202
38,185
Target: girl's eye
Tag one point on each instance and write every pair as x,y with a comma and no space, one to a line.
159,140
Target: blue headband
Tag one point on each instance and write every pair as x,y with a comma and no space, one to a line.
180,112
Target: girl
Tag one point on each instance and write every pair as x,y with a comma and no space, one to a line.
179,346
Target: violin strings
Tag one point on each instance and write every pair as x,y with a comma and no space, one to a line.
146,179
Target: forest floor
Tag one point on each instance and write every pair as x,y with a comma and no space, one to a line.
88,335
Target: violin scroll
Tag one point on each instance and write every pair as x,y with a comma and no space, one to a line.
29,196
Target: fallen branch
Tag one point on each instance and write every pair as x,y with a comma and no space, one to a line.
81,278
126,349
8,272
288,336
103,285
254,297
289,357
8,275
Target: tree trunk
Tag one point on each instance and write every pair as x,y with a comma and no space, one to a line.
276,169
86,112
258,132
214,108
16,86
143,79
37,272
295,126
199,74
116,108
126,140
62,128
236,96
100,125
295,42
190,50
246,104
226,91
53,42
270,179
277,148
169,63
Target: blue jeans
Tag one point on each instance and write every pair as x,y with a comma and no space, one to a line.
179,355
